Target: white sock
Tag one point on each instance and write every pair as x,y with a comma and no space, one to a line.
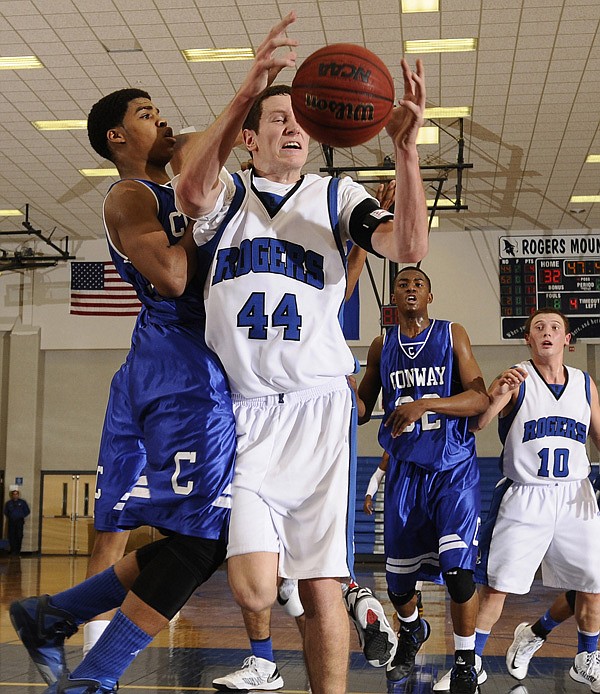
412,618
464,643
92,631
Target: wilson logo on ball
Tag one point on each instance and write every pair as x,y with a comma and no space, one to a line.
340,109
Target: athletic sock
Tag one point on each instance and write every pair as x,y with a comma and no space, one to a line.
481,638
411,623
262,648
92,631
464,643
586,642
544,625
97,594
114,651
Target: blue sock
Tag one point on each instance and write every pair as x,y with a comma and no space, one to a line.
97,594
481,638
114,651
547,623
586,642
263,648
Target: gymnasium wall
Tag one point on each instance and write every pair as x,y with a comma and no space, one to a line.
55,369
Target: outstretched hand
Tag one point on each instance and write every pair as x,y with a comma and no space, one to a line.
267,64
407,117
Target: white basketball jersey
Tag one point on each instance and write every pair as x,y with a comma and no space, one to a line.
276,288
544,436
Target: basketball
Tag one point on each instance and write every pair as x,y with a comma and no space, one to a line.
342,95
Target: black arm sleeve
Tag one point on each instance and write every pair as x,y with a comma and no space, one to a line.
365,218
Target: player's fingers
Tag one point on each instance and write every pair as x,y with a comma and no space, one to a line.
282,25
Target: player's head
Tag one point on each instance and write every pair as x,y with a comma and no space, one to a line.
272,134
412,291
547,331
128,117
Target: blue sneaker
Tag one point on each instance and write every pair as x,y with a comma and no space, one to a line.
64,684
43,630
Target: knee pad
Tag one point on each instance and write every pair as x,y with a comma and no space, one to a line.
460,584
288,597
570,595
144,555
175,569
400,599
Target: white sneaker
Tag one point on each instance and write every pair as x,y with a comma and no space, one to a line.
377,638
443,684
256,673
520,652
288,596
586,669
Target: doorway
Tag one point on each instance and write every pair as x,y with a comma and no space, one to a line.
67,512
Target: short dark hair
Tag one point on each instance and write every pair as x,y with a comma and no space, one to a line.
252,120
418,269
109,113
546,309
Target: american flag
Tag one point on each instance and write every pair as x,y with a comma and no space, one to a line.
98,290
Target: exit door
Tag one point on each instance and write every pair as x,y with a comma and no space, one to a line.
67,513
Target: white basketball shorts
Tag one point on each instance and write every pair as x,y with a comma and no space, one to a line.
555,525
291,486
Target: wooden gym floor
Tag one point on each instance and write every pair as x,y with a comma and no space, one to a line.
208,640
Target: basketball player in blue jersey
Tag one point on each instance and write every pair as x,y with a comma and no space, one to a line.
544,511
168,443
431,384
273,296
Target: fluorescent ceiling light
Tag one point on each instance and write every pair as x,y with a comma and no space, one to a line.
593,159
210,55
99,172
11,213
585,198
60,124
420,6
448,112
377,173
435,222
440,45
442,202
428,135
23,62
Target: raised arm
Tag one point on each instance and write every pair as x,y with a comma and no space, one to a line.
405,239
369,387
199,186
472,401
502,394
357,256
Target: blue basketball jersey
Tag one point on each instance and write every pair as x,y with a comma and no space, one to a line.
423,367
168,442
189,307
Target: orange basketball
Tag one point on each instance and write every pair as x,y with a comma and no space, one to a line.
342,95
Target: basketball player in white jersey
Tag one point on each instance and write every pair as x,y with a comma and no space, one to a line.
276,240
377,638
544,511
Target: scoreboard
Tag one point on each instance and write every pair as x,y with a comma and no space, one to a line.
555,278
